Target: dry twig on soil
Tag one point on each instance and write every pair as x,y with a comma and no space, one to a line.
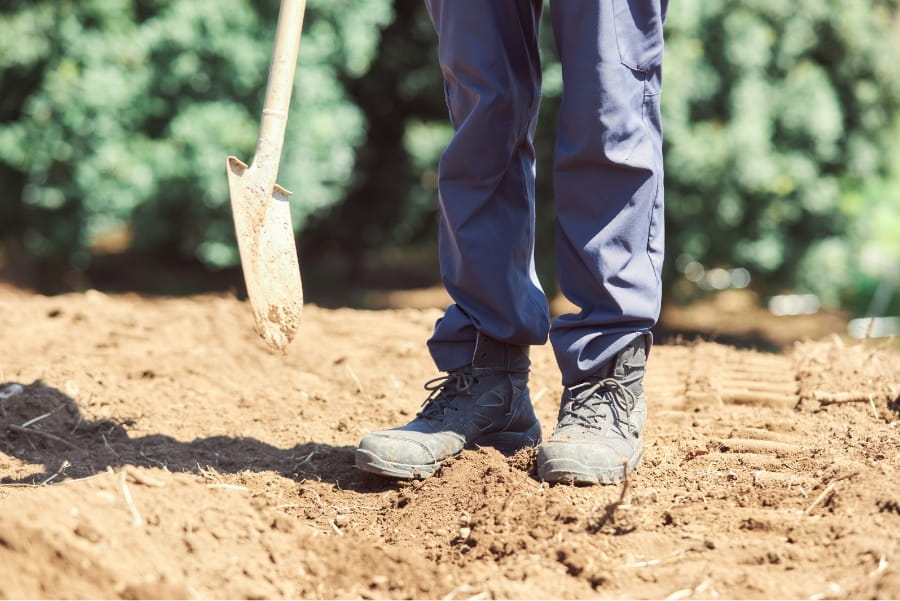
359,386
839,398
145,480
62,468
229,487
828,490
334,527
609,514
126,494
35,420
47,435
316,496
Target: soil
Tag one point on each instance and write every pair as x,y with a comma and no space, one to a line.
157,448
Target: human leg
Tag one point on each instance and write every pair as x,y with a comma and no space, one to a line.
489,58
609,200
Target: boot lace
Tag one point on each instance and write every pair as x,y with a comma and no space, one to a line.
444,390
597,404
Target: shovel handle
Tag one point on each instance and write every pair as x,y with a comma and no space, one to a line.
280,86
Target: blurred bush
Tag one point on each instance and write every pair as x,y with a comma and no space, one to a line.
781,124
117,115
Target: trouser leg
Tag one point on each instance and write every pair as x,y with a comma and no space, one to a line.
491,66
608,178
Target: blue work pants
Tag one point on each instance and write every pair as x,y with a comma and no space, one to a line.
607,177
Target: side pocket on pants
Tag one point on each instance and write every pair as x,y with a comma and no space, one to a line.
639,33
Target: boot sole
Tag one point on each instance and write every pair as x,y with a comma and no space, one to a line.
505,442
572,471
368,461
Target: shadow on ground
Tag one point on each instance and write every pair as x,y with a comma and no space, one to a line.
41,425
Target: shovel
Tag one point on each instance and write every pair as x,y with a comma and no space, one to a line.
260,207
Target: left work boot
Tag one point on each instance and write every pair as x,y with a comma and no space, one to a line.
482,404
599,434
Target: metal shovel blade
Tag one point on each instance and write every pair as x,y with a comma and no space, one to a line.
262,223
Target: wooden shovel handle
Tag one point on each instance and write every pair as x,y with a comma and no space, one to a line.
280,86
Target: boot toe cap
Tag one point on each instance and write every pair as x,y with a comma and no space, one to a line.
577,460
398,447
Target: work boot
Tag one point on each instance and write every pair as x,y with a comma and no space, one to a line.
598,437
482,404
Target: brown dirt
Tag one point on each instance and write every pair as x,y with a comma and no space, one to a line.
156,448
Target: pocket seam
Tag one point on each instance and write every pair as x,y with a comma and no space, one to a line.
645,69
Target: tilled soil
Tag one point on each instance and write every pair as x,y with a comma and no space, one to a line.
156,448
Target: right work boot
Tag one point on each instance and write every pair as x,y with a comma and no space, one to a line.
599,434
485,403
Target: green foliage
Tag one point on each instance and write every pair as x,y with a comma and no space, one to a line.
390,200
782,122
779,138
121,113
860,268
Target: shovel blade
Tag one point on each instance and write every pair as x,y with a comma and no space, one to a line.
265,237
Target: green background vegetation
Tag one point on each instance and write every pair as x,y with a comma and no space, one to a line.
782,125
